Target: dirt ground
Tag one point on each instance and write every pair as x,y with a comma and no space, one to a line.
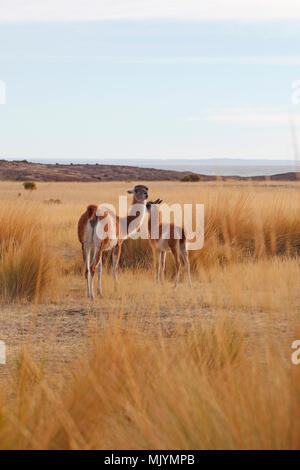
58,333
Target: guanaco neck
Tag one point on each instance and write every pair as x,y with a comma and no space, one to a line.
136,212
156,220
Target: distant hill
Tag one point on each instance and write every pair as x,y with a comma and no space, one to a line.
291,176
25,171
204,166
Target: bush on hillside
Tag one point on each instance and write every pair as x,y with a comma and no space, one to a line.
29,185
191,178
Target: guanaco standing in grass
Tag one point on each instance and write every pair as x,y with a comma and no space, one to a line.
169,237
89,235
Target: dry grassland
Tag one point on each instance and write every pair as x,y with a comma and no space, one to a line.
150,367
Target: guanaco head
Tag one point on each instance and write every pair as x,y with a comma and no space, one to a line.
140,193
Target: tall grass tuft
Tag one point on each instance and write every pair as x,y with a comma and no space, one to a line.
27,269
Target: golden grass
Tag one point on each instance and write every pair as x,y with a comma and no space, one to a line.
27,267
194,391
206,368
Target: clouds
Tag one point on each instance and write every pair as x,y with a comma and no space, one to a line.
91,10
248,116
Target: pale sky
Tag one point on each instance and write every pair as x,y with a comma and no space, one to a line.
93,10
154,79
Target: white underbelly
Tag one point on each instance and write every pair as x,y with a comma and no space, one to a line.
163,245
111,245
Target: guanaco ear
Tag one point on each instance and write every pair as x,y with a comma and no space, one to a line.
159,201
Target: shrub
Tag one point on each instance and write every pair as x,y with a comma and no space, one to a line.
191,178
29,185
